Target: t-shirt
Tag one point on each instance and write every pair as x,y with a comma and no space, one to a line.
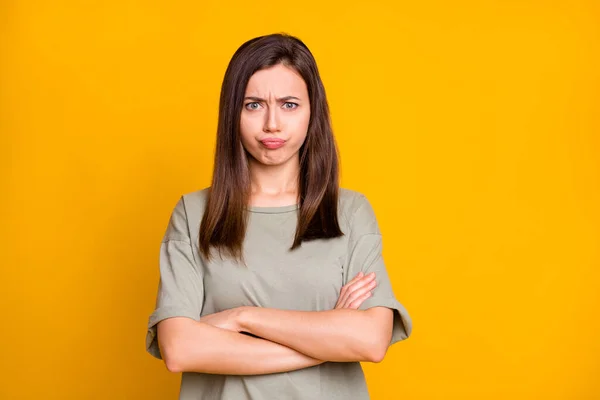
308,278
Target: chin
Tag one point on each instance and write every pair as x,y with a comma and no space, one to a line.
272,162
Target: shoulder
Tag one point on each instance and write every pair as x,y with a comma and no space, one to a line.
191,205
350,199
195,200
195,204
356,211
186,215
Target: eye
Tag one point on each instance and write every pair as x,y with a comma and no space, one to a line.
289,106
252,106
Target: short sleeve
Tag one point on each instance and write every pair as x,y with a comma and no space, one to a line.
365,254
180,287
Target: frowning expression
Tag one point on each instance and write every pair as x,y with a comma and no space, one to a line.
275,116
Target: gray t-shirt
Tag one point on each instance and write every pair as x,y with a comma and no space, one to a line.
308,279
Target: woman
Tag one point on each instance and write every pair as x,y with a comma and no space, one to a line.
272,284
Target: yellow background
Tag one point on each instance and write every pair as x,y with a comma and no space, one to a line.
472,126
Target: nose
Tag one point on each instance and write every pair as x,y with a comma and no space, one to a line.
272,120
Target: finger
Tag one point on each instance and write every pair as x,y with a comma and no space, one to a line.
358,302
360,292
360,283
351,296
344,289
355,304
350,288
356,278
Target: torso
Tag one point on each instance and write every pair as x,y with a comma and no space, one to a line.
308,278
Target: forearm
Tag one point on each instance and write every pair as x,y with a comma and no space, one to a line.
335,335
191,346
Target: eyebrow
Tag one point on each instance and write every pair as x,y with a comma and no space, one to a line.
281,99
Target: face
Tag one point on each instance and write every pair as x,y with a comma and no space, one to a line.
275,116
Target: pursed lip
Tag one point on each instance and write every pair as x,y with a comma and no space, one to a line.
272,143
272,140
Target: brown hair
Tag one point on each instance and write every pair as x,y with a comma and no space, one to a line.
224,222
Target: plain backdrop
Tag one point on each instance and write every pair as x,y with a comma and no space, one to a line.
471,126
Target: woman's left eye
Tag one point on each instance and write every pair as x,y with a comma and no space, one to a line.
290,106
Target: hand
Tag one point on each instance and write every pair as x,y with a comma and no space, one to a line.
355,292
227,319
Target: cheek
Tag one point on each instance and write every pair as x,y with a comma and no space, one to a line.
246,126
300,125
297,119
248,131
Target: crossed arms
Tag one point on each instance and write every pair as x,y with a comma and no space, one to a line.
282,340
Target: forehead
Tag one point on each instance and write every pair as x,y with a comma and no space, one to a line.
278,80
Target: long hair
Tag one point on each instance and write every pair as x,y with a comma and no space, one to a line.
224,221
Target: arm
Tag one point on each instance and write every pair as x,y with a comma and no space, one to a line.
334,335
175,335
352,296
220,351
343,335
223,350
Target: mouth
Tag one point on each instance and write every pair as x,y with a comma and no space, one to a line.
272,143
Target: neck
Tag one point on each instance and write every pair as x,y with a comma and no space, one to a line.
274,180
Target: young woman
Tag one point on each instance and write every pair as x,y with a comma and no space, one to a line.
272,284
